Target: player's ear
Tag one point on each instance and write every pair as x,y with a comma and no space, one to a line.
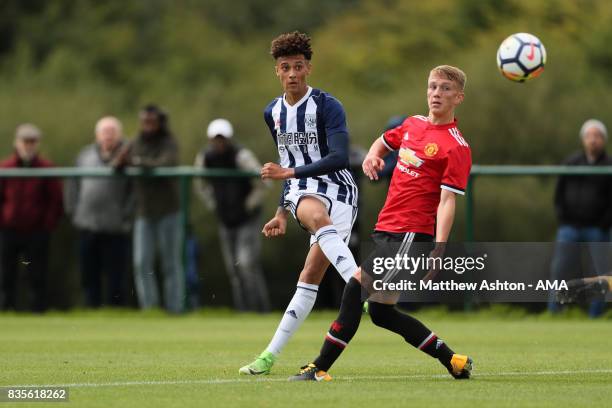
308,67
460,96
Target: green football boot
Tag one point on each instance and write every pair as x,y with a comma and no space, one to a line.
262,365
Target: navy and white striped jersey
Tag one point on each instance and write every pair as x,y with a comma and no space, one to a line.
303,134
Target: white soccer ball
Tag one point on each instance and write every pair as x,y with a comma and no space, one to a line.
521,56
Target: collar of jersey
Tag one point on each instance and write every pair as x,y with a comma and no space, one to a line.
298,103
442,127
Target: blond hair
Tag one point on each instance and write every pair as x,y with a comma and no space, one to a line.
451,73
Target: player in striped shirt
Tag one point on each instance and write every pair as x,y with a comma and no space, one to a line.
432,168
309,129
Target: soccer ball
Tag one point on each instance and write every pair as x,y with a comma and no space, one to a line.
521,57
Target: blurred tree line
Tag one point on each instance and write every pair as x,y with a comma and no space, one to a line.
65,63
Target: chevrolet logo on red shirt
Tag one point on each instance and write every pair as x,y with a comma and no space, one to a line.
409,157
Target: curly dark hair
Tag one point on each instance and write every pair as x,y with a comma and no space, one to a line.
288,44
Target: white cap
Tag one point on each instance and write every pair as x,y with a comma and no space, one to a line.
27,131
594,123
220,127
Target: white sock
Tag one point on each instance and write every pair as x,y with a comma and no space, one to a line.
300,306
336,251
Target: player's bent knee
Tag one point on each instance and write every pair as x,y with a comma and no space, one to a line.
379,313
385,297
318,219
312,214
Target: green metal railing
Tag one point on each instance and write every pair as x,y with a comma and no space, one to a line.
517,171
185,175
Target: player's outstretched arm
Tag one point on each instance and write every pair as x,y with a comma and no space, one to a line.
373,162
276,226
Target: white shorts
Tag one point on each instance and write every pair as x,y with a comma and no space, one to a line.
342,215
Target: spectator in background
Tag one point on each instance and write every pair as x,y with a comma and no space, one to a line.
584,210
157,222
102,210
192,267
237,202
30,208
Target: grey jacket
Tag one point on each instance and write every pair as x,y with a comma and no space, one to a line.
99,204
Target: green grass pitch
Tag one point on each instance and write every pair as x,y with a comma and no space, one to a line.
126,358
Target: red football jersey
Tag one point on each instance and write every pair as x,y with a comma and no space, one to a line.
431,157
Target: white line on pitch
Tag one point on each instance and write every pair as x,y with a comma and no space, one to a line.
341,378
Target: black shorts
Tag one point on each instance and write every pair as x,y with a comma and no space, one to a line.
389,245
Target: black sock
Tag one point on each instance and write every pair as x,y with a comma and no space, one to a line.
412,330
343,328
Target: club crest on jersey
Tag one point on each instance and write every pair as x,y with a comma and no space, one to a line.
310,120
406,136
431,149
409,157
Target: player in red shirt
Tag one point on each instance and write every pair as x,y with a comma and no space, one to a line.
433,167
